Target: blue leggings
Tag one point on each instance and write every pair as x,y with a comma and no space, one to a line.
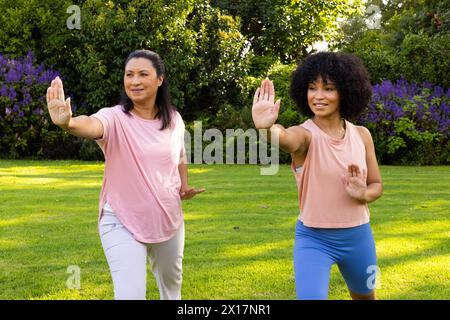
317,249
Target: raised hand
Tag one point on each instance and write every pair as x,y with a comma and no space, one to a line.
355,182
59,109
264,109
189,193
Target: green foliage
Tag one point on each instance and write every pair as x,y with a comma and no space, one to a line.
216,54
201,47
406,131
409,123
410,16
89,150
379,59
281,74
39,26
431,53
285,28
35,24
412,42
222,62
25,129
111,30
203,50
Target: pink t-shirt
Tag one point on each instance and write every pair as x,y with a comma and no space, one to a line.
323,201
141,181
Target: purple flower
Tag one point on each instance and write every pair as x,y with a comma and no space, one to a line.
420,111
40,68
26,98
427,84
12,94
386,88
47,76
4,91
438,91
7,111
429,114
12,76
28,80
29,57
38,111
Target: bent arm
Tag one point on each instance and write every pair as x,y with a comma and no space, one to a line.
373,192
186,192
374,183
183,171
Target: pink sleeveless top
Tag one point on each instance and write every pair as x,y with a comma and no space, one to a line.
323,201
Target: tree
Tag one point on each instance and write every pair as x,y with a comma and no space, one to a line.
286,28
201,47
411,41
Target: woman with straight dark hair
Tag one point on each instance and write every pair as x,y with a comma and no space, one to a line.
145,179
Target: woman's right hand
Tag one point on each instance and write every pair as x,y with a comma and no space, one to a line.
264,109
59,109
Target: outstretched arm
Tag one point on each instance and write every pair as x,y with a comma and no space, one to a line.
265,113
61,114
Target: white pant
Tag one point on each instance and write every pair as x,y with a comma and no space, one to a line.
127,260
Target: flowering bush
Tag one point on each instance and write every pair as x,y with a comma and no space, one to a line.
25,129
409,123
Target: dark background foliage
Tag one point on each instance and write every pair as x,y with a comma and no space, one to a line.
216,53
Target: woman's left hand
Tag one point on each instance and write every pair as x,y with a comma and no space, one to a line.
188,192
355,182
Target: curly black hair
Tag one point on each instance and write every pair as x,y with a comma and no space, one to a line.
345,70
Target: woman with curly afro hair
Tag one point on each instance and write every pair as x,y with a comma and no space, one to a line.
335,168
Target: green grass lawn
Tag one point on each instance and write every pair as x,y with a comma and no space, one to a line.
239,234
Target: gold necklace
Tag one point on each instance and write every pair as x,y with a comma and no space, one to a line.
340,134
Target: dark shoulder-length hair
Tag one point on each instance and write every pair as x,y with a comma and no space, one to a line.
165,108
345,70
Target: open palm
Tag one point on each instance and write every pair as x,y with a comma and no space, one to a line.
189,193
59,109
265,109
355,182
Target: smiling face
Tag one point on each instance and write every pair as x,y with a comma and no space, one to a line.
141,80
323,97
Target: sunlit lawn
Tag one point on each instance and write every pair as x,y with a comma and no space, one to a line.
239,234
